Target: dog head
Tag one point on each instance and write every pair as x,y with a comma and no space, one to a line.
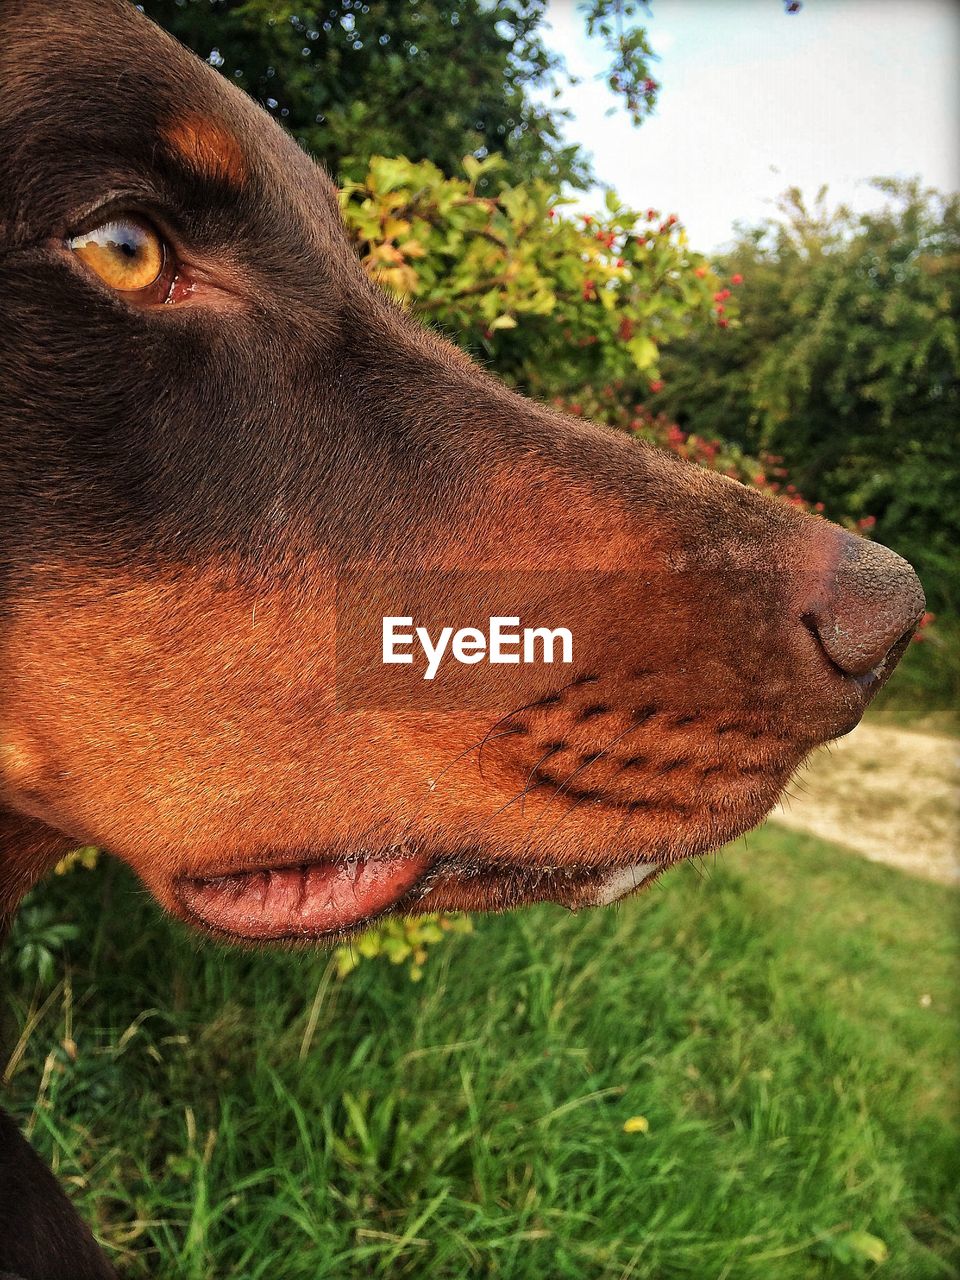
225,458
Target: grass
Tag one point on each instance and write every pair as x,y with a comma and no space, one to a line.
784,1021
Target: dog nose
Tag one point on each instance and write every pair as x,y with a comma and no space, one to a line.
871,606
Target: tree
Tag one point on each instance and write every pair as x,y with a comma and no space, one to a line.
428,79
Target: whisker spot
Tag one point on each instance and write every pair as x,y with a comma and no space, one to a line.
590,713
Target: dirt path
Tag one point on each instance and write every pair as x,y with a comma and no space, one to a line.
890,794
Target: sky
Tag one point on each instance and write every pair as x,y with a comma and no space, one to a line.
755,100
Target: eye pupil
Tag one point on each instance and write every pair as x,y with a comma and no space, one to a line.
125,253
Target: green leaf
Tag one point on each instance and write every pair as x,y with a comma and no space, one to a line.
643,351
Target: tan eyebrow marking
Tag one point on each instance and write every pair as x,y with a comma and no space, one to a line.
207,146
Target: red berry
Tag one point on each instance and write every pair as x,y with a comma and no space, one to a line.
723,322
700,272
736,279
656,385
621,263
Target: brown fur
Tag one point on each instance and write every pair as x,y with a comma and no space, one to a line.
211,148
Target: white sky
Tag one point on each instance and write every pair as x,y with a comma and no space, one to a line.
755,100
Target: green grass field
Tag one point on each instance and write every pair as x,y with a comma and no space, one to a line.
784,1020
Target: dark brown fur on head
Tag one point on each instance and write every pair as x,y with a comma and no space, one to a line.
183,486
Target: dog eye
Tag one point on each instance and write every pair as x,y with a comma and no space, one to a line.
126,253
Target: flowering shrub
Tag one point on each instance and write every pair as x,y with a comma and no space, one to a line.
612,406
552,300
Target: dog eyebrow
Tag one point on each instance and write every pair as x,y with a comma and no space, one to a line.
208,147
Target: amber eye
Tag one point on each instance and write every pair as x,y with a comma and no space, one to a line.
125,253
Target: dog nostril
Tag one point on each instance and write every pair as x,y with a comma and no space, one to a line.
870,606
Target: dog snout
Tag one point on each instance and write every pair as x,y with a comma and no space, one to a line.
865,608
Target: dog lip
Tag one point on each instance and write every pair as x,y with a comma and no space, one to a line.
503,885
870,683
317,899
307,900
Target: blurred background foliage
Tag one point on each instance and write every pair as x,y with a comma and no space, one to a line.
553,303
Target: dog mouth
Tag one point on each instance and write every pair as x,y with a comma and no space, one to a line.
328,899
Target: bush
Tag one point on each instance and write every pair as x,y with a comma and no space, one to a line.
847,363
552,302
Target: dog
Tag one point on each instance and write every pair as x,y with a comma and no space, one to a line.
210,421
